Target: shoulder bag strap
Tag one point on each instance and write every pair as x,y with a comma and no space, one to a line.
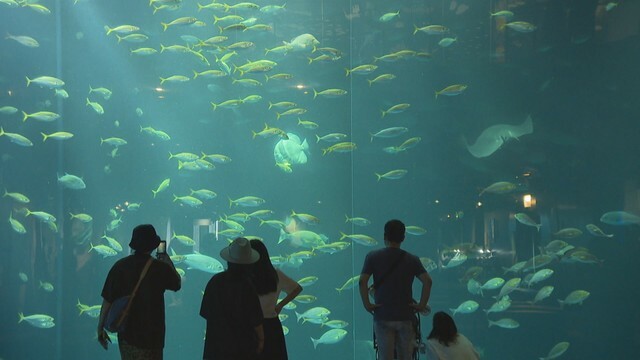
393,267
133,294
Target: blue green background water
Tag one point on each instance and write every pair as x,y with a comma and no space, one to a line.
575,75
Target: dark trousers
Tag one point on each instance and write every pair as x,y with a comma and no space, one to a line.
275,347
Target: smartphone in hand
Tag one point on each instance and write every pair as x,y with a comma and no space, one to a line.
162,248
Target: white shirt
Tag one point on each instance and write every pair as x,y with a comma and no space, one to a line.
460,349
269,301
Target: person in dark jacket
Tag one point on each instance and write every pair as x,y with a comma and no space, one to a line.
143,337
232,309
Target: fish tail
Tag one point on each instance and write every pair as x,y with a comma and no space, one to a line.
324,151
28,80
195,74
175,197
165,26
347,71
21,317
379,176
383,112
221,29
315,342
266,78
437,93
162,80
119,38
254,134
109,30
200,7
415,29
154,193
315,93
24,117
342,236
370,82
230,203
214,106
278,116
162,47
318,138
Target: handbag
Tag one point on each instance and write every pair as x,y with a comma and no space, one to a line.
119,310
374,286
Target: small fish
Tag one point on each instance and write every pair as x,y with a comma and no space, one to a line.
452,90
349,284
396,109
247,201
543,293
46,116
362,69
575,297
46,81
331,138
342,147
389,16
557,350
188,200
144,51
85,218
104,250
503,13
359,221
60,135
8,110
505,323
16,225
46,286
620,218
392,175
24,40
186,20
329,93
308,281
526,220
104,92
466,307
122,29
501,187
446,42
330,337
72,182
389,132
16,138
596,231
163,186
568,233
519,26
21,198
431,29
415,230
183,239
382,78
95,106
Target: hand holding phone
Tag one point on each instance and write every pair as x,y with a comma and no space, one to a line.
162,248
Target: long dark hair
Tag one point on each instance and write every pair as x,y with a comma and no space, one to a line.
264,275
444,328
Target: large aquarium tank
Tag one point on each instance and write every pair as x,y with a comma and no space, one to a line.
503,133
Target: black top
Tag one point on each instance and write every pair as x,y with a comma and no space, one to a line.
145,327
395,293
232,309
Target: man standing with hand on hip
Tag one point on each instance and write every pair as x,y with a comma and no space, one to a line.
393,271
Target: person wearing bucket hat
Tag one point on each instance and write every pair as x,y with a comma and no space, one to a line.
143,336
231,307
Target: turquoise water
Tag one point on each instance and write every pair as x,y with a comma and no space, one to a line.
547,107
